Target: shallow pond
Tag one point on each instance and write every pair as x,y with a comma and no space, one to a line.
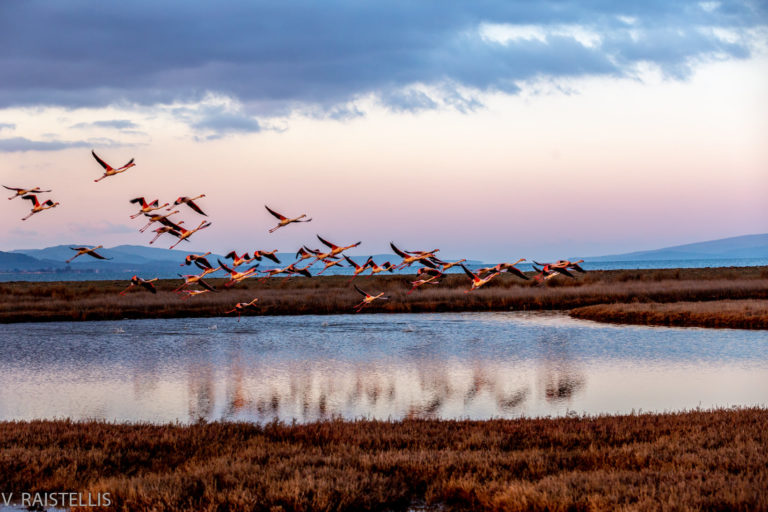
305,368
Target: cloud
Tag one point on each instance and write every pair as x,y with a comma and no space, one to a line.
321,56
226,122
216,116
117,124
21,144
7,126
405,100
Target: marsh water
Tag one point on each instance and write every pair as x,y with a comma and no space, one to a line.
306,368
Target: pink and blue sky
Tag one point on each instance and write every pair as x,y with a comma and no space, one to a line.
492,129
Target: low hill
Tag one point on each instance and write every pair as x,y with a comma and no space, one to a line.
15,261
747,246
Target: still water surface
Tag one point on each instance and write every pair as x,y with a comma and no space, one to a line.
305,368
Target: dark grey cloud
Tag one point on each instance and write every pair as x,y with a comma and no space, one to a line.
309,54
21,144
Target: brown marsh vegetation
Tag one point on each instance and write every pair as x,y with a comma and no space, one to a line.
712,460
735,314
99,300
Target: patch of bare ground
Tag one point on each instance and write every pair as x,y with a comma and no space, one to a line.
733,314
699,460
99,300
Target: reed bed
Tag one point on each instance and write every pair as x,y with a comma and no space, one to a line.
698,460
99,300
734,314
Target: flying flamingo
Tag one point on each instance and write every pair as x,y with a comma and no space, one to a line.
303,254
543,274
190,201
145,283
429,271
89,251
235,276
335,249
386,266
194,279
574,265
243,306
108,169
145,206
238,260
37,208
206,271
165,229
330,263
446,265
318,255
477,281
510,267
186,233
411,257
555,267
270,255
273,272
159,217
358,268
433,279
565,264
293,269
198,259
25,191
284,221
190,293
367,299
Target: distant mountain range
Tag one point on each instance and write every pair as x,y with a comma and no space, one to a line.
127,260
132,259
747,246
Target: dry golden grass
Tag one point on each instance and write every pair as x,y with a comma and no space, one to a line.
99,300
700,460
736,314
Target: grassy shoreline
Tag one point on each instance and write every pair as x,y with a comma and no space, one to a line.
99,300
728,314
694,460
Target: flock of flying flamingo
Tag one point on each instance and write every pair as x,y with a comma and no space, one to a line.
431,271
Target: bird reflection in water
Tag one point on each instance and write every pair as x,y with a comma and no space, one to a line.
237,399
512,401
560,377
408,389
479,382
425,411
561,385
201,393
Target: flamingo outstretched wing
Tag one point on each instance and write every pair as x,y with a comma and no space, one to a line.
468,272
273,212
104,164
397,251
33,198
327,243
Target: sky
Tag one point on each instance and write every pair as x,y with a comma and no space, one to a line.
492,130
